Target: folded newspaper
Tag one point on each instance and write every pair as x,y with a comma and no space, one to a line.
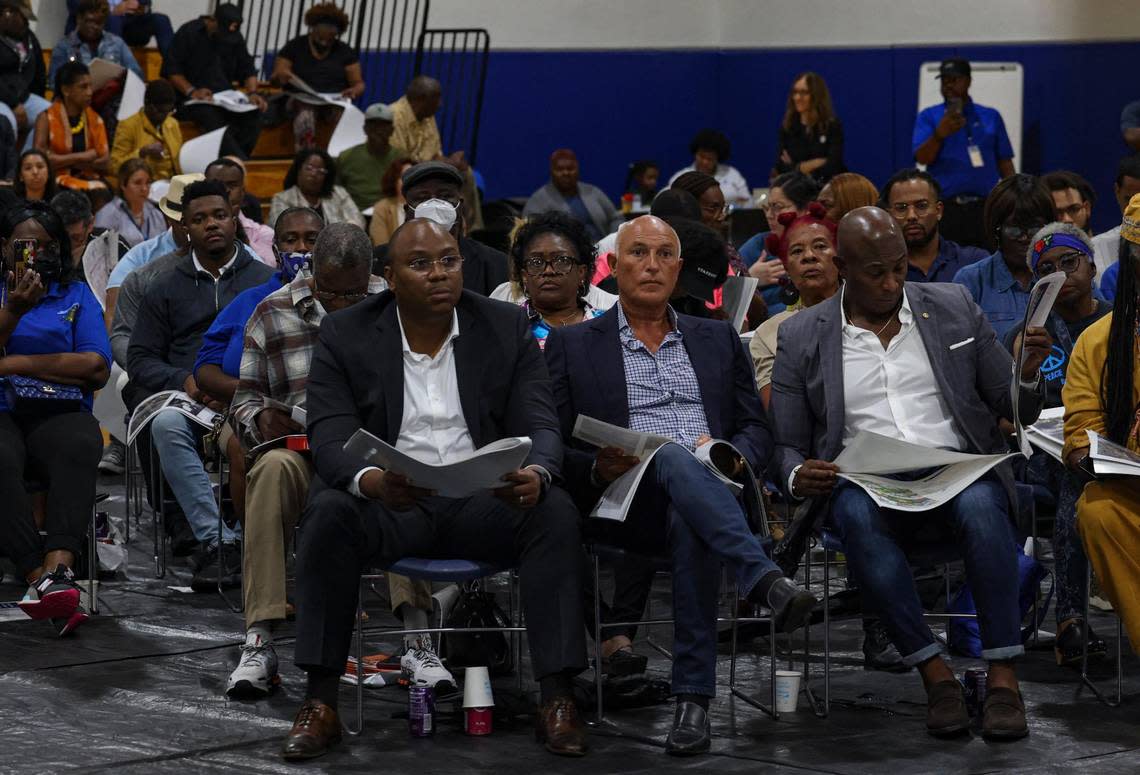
1110,458
870,460
228,99
718,456
1042,296
1048,433
481,470
175,401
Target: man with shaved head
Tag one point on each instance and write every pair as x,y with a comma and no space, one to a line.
437,372
644,367
916,362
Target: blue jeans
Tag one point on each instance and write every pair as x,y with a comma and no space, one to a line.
703,526
978,521
177,441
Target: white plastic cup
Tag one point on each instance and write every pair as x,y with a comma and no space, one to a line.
787,690
477,688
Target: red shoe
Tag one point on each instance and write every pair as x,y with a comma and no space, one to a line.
54,596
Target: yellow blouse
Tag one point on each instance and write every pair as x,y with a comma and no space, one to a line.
1084,404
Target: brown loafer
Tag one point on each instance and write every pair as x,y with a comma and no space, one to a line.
1003,715
560,727
315,729
946,714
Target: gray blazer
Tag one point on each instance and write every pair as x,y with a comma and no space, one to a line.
970,365
602,212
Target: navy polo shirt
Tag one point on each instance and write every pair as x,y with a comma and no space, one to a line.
68,319
952,169
951,257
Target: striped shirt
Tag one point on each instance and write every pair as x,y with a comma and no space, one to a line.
279,342
664,395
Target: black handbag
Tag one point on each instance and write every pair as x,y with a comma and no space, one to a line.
31,396
477,608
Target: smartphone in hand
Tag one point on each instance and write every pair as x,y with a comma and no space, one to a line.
954,105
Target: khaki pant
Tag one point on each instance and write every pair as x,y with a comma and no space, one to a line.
1108,519
277,489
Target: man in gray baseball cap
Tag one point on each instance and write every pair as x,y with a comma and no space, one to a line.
361,168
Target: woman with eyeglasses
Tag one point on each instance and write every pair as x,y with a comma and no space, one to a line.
1017,208
311,182
1062,247
1100,393
553,259
811,135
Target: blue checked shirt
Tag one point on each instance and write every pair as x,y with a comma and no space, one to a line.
664,395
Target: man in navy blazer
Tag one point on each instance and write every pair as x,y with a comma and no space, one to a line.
644,367
437,372
916,362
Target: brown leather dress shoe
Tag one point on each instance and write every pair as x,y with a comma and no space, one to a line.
946,714
1003,715
560,726
315,729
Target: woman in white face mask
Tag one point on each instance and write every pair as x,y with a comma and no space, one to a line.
311,182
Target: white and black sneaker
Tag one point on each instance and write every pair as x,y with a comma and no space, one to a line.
114,460
54,596
256,673
420,666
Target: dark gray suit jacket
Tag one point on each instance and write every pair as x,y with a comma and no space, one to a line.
807,408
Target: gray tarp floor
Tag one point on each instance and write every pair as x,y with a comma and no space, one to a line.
139,689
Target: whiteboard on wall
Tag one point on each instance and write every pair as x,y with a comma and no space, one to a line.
994,84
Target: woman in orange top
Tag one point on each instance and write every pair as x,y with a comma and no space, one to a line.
72,134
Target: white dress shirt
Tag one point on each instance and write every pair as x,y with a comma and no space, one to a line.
893,391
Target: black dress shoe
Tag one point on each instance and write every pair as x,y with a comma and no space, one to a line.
878,651
315,730
624,663
946,714
691,733
1070,644
791,604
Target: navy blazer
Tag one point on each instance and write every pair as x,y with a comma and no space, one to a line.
357,381
588,373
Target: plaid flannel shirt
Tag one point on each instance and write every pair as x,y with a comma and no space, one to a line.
279,342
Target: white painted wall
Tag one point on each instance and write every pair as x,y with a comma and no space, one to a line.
655,24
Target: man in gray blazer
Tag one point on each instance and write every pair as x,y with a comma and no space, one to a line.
916,362
581,201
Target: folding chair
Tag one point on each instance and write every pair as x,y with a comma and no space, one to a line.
1085,680
456,571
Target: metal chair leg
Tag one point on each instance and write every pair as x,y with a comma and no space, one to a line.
240,607
93,563
358,727
159,521
599,714
1085,680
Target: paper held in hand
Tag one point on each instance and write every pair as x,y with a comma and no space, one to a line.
1048,433
1041,299
479,471
230,99
1111,459
173,401
718,456
870,459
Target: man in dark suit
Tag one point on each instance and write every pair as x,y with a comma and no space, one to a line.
921,365
644,367
433,190
437,372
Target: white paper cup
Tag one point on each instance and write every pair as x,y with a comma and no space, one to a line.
477,688
787,690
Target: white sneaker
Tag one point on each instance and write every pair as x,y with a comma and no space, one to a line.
256,673
421,667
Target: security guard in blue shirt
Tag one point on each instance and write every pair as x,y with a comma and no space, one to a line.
964,145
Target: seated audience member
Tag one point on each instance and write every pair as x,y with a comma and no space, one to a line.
89,41
1015,210
645,367
174,238
152,134
22,70
210,55
583,202
1108,245
790,191
132,214
74,209
9,153
832,381
1100,395
914,198
415,131
697,292
279,344
432,190
311,182
1073,198
1066,248
641,181
178,308
322,62
50,330
388,211
72,134
670,202
134,21
710,150
231,174
811,135
35,179
457,343
845,192
363,168
554,261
